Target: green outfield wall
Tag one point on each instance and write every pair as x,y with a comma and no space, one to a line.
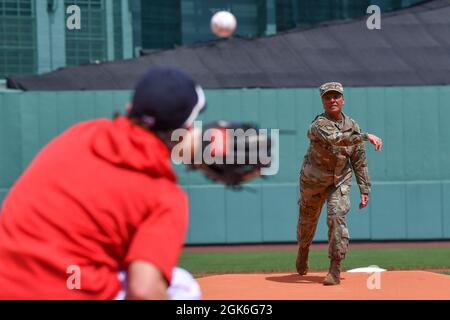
411,176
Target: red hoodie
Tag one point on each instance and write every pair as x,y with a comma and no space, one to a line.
97,197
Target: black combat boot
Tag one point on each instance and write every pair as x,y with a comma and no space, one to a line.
302,261
333,276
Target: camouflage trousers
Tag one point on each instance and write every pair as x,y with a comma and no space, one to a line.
312,198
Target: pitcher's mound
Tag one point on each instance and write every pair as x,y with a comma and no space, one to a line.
390,285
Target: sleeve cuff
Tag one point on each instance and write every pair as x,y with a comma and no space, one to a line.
365,136
364,189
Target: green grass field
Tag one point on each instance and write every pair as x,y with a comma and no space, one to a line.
284,260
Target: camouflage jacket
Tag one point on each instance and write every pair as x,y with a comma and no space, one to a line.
335,148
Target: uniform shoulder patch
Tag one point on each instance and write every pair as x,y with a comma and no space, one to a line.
352,121
354,124
324,123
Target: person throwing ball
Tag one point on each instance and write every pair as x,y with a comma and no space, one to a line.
336,146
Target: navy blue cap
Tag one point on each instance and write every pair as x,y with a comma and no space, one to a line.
167,98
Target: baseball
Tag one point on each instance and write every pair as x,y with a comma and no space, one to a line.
223,24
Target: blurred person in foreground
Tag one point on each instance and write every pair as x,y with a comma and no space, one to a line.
98,214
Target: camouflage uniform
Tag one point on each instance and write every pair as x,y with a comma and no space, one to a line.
335,148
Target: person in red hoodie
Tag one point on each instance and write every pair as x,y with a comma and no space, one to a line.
100,199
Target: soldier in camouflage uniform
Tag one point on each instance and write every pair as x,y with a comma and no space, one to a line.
336,146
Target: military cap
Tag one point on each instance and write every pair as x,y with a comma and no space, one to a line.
331,86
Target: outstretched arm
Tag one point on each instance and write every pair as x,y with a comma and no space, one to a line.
334,136
351,137
359,164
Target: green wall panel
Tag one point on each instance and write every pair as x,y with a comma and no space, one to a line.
47,117
423,210
413,138
305,109
104,102
376,122
279,212
410,176
30,128
243,214
286,106
387,205
208,223
85,106
67,109
249,99
120,100
429,127
288,160
443,138
446,209
10,140
268,108
216,105
2,196
394,135
356,105
232,106
322,227
358,220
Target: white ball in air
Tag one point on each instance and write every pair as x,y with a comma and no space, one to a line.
223,24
